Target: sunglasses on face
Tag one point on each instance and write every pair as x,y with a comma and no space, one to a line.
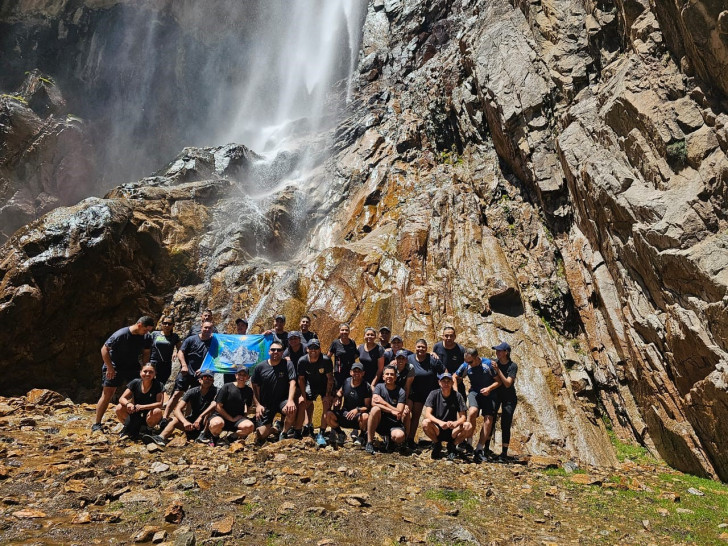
167,323
276,350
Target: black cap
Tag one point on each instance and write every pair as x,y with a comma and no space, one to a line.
295,333
502,346
243,369
395,338
313,344
281,317
208,373
384,329
357,366
239,320
401,352
446,375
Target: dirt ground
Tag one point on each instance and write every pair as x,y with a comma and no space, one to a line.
61,485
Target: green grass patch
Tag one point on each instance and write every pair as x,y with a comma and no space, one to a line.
449,495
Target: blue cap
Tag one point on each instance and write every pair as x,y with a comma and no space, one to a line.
502,346
208,373
446,375
295,333
402,352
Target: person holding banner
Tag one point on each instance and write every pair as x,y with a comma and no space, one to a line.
231,408
190,355
274,391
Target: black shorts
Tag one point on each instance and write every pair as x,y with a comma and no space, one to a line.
185,381
388,423
487,405
123,376
313,392
164,370
443,434
231,426
270,412
347,423
418,396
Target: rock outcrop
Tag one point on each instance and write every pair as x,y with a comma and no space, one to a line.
551,174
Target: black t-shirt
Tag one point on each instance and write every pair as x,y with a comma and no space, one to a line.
389,355
354,397
451,358
273,381
142,398
406,373
163,347
315,372
282,337
480,376
125,348
370,360
308,336
393,397
197,402
195,351
509,370
426,373
445,409
197,328
295,356
235,400
344,356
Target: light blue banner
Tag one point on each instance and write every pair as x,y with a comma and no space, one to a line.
228,353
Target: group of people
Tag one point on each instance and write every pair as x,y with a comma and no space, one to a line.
376,387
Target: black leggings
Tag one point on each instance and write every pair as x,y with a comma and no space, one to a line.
508,408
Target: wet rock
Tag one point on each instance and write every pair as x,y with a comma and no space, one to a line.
44,397
223,527
29,513
159,537
81,518
174,513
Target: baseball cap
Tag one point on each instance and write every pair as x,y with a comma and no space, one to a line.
401,352
208,373
357,366
239,320
281,317
243,369
502,346
446,375
396,337
295,333
384,329
313,344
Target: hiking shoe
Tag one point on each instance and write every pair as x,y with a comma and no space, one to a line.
163,424
124,434
154,439
342,437
202,438
359,440
404,449
259,442
369,448
333,437
320,440
353,435
298,434
436,451
96,427
465,447
307,430
479,456
411,444
452,455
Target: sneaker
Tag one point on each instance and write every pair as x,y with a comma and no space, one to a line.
452,455
465,447
163,424
154,439
96,427
320,440
203,438
307,430
359,440
404,449
333,437
436,451
353,435
341,437
505,458
479,456
124,434
259,442
411,444
298,434
369,448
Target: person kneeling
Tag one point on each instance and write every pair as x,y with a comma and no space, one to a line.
445,418
141,403
191,413
353,402
388,411
232,404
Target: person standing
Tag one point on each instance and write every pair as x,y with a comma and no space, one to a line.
384,335
274,390
191,355
141,403
241,326
315,379
483,380
427,368
197,328
120,354
506,394
371,356
396,345
306,332
165,344
450,353
445,418
343,352
296,350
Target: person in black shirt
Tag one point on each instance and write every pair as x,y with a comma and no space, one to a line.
191,413
343,352
232,404
241,326
445,418
274,390
506,394
191,354
141,403
295,349
450,353
396,345
427,368
315,378
165,343
279,325
120,354
371,356
388,411
353,402
306,331
384,334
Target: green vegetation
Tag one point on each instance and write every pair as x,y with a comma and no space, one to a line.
48,80
677,154
15,97
451,157
449,495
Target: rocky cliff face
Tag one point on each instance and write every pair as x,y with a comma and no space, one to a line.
551,174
